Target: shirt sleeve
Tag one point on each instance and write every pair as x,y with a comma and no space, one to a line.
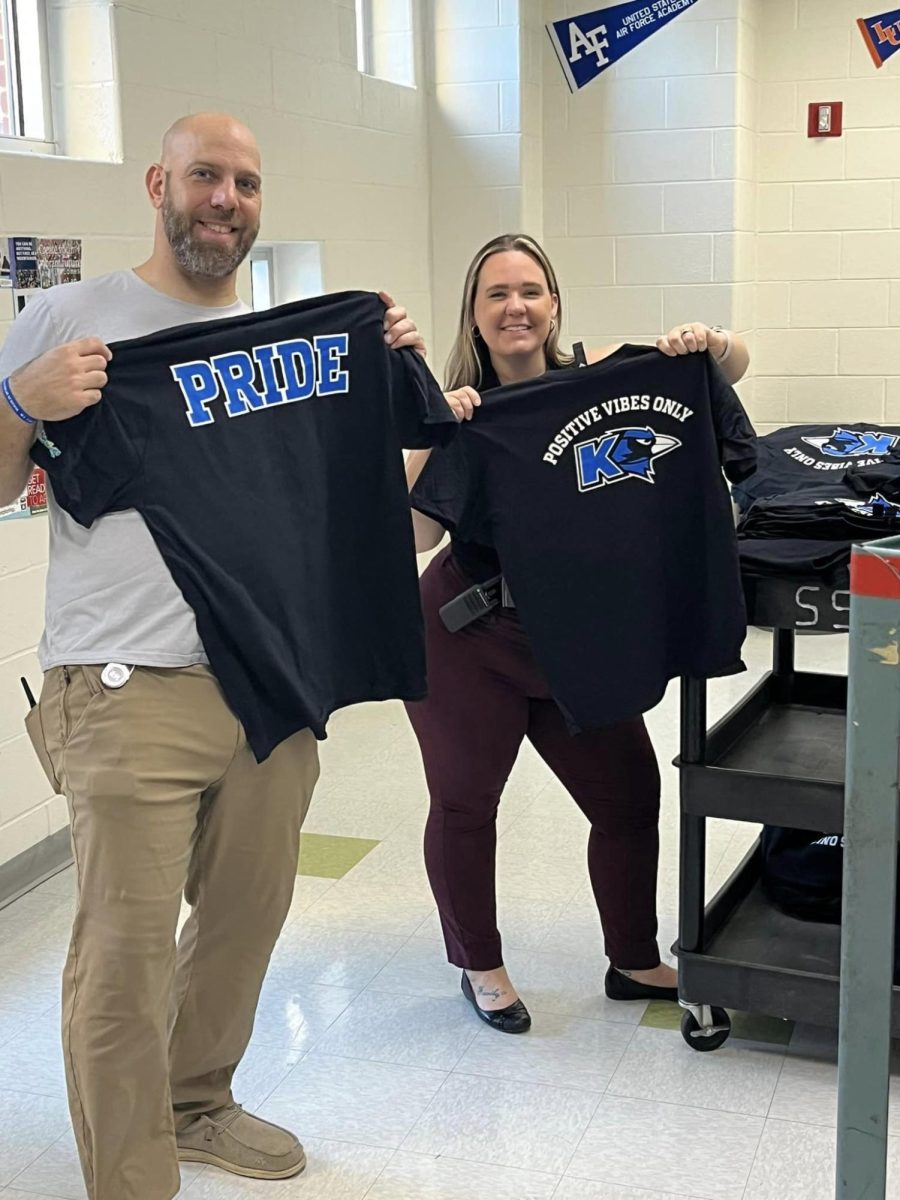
94,460
422,416
449,490
735,436
32,333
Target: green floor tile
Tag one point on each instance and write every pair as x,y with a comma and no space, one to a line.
661,1014
750,1027
331,857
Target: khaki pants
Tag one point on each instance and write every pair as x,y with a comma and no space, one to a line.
165,799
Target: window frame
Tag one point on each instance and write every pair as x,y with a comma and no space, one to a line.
363,54
264,254
20,142
365,34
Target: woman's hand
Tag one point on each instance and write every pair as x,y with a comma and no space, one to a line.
463,401
727,349
691,337
399,328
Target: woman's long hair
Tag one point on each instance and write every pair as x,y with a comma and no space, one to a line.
469,362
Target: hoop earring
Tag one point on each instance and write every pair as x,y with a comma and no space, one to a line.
476,332
553,324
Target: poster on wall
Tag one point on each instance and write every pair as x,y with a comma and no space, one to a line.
37,262
28,265
32,501
588,44
881,34
23,261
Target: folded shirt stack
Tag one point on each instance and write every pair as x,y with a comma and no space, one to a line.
817,490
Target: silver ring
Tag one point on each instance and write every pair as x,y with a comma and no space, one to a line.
687,329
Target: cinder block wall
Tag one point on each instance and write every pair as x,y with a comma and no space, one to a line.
828,298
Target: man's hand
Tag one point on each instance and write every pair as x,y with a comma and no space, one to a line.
62,382
399,329
463,401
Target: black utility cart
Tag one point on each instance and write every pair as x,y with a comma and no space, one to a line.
776,758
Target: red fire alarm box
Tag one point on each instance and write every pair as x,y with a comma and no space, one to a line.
826,119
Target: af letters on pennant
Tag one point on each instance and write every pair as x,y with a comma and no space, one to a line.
587,44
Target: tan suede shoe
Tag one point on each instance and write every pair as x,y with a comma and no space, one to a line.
235,1141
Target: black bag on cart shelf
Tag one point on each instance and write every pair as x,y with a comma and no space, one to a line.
802,874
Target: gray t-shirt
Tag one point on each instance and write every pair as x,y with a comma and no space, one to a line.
110,596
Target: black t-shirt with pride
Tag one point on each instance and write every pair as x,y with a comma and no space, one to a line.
264,452
601,490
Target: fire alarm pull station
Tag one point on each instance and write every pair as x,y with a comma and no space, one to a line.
826,120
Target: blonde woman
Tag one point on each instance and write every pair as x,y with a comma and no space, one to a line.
487,692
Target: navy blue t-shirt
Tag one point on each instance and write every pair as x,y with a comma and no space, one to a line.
601,490
264,452
802,456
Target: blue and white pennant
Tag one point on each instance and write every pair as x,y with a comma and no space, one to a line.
588,44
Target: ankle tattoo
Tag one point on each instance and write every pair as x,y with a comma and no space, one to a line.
492,994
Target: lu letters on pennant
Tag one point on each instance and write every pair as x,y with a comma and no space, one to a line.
881,34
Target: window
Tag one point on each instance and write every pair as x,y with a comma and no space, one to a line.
261,281
384,40
24,77
284,271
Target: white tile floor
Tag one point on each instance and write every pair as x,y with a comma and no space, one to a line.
364,1046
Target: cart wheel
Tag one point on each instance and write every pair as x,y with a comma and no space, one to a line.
711,1038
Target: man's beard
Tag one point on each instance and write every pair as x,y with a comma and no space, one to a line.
203,258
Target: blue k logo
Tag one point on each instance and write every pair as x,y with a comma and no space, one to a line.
853,443
621,454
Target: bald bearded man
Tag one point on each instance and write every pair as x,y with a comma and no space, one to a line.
166,798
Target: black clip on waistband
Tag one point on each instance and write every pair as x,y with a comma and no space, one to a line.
472,604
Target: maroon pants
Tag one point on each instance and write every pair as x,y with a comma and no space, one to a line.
485,694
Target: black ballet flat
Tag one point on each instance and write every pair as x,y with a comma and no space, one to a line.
622,987
515,1018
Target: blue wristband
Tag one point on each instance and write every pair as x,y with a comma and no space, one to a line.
15,405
